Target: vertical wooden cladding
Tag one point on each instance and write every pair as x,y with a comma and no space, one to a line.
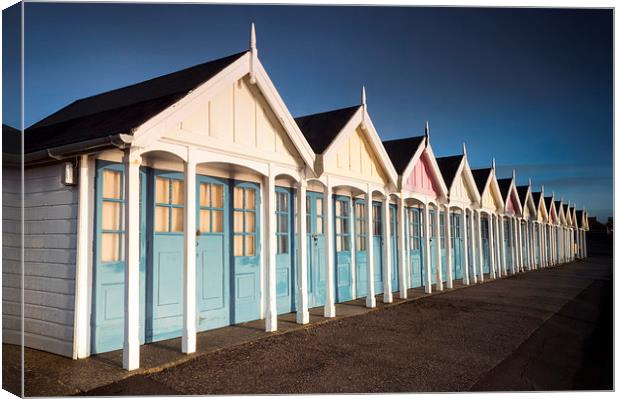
462,190
238,119
356,158
489,198
421,179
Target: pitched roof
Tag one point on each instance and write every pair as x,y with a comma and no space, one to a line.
481,176
120,110
504,185
448,167
400,151
322,128
536,197
557,204
522,191
11,140
579,215
548,202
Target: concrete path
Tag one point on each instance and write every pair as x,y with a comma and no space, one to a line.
500,335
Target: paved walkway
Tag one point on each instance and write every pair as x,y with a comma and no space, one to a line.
448,342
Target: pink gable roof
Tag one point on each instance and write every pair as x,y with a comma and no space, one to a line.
421,178
511,205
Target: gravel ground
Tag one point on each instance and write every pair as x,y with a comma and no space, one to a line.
475,337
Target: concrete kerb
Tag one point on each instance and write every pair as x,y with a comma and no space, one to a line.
188,357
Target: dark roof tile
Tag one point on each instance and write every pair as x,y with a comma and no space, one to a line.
504,186
322,128
448,167
481,176
522,191
400,151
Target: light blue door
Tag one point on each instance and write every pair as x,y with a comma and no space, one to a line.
361,255
107,316
457,246
316,248
342,238
213,253
286,274
246,264
536,244
415,247
164,289
442,236
394,247
433,243
486,252
508,245
377,251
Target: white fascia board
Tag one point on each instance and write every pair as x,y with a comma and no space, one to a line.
379,149
151,130
493,185
436,171
284,116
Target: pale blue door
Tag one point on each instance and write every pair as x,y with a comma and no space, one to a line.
377,251
416,247
246,256
164,289
471,253
394,247
508,245
286,275
537,244
316,248
342,238
433,243
107,316
486,252
361,255
457,246
442,236
213,253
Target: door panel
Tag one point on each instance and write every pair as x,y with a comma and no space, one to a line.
442,236
395,278
457,246
486,252
361,255
377,240
433,243
286,274
342,238
415,246
316,248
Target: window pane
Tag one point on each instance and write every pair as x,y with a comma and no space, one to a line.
338,225
282,223
319,225
161,218
338,244
238,198
177,219
162,190
205,195
250,225
345,209
110,247
112,184
250,249
283,243
345,243
218,221
217,196
177,192
238,224
238,245
319,206
110,215
284,202
345,226
338,208
205,221
250,198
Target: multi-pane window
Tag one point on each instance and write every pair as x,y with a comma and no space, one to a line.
211,208
244,208
318,206
431,217
392,224
376,220
282,216
341,211
112,216
414,229
360,226
169,200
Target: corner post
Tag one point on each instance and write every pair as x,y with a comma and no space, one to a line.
303,316
387,250
188,342
371,301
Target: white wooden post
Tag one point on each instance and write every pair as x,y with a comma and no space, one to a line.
352,234
438,263
387,251
302,316
188,341
131,343
475,260
84,258
371,301
448,239
271,319
480,250
402,247
330,307
427,253
465,248
492,246
585,244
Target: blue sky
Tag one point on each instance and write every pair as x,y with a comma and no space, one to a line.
530,87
